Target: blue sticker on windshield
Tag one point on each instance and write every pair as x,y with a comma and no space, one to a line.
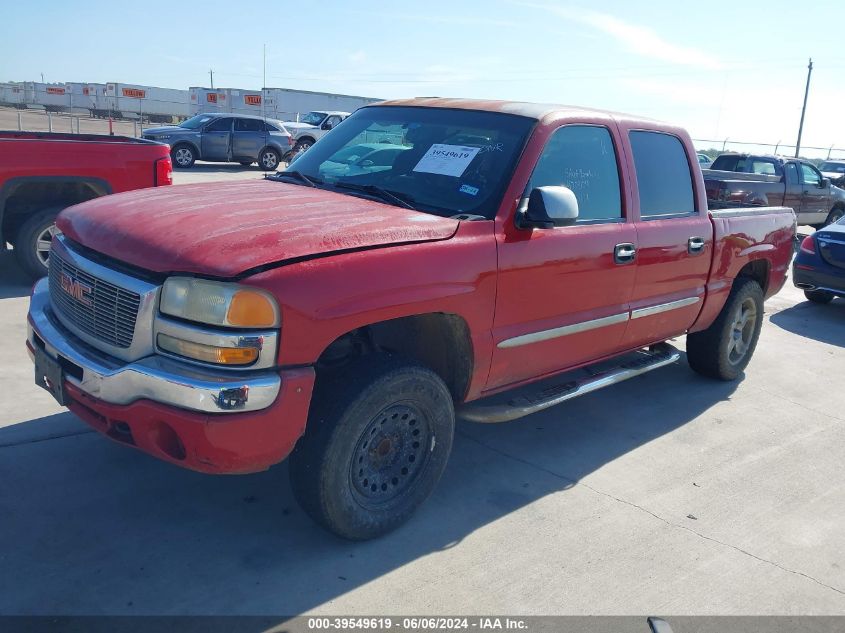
473,191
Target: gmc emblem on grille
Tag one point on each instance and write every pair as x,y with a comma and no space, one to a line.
76,289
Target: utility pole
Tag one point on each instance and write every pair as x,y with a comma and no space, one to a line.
804,109
42,78
211,74
264,82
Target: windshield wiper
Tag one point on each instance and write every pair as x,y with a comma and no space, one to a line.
299,176
384,194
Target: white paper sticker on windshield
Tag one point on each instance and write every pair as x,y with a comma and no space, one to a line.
447,160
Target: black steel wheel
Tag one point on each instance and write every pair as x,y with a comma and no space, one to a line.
378,438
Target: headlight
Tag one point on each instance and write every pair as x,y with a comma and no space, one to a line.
218,303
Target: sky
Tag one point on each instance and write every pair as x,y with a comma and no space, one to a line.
723,70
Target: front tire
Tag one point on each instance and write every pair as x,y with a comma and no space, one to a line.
378,438
834,216
302,145
33,241
183,156
723,350
818,296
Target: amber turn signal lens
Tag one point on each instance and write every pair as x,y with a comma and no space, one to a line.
249,308
208,353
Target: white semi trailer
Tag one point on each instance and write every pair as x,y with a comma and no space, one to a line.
277,103
132,101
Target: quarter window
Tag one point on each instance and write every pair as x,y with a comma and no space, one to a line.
220,125
663,175
582,158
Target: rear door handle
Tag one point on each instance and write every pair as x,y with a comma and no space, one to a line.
624,253
695,245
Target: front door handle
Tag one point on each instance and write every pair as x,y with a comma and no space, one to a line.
695,245
624,253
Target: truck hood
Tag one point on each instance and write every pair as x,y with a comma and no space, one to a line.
165,129
298,126
223,229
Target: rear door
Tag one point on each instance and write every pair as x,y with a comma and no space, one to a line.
562,297
249,138
216,139
675,240
815,199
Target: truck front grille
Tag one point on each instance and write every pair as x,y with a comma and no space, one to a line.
98,308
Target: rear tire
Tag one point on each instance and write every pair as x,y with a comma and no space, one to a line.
183,156
33,240
818,296
269,159
723,350
378,438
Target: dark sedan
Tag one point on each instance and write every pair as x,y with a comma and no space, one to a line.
819,268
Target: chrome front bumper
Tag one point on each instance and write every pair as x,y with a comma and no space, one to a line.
154,377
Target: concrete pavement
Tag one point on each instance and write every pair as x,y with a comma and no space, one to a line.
666,494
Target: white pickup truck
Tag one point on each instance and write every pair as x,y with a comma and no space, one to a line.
313,126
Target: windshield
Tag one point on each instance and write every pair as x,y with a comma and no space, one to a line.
196,121
442,161
837,168
313,118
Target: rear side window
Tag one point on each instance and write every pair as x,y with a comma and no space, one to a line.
249,125
220,125
664,179
766,167
582,157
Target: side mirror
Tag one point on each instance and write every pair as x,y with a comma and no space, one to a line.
549,207
366,163
326,126
825,183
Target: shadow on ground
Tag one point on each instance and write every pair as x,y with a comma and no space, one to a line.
13,281
90,526
824,323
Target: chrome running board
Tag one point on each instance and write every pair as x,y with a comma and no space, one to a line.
534,398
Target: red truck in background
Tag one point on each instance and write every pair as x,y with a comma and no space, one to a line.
505,258
42,173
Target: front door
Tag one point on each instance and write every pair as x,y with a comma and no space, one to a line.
675,240
216,139
249,138
563,295
815,199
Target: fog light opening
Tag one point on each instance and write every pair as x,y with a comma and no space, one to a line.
167,441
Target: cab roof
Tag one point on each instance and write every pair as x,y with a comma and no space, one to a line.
521,108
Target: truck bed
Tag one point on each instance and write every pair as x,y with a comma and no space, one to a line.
79,138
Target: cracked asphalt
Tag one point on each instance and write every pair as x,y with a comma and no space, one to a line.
667,494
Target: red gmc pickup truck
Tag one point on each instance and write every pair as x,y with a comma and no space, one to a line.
42,173
502,258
